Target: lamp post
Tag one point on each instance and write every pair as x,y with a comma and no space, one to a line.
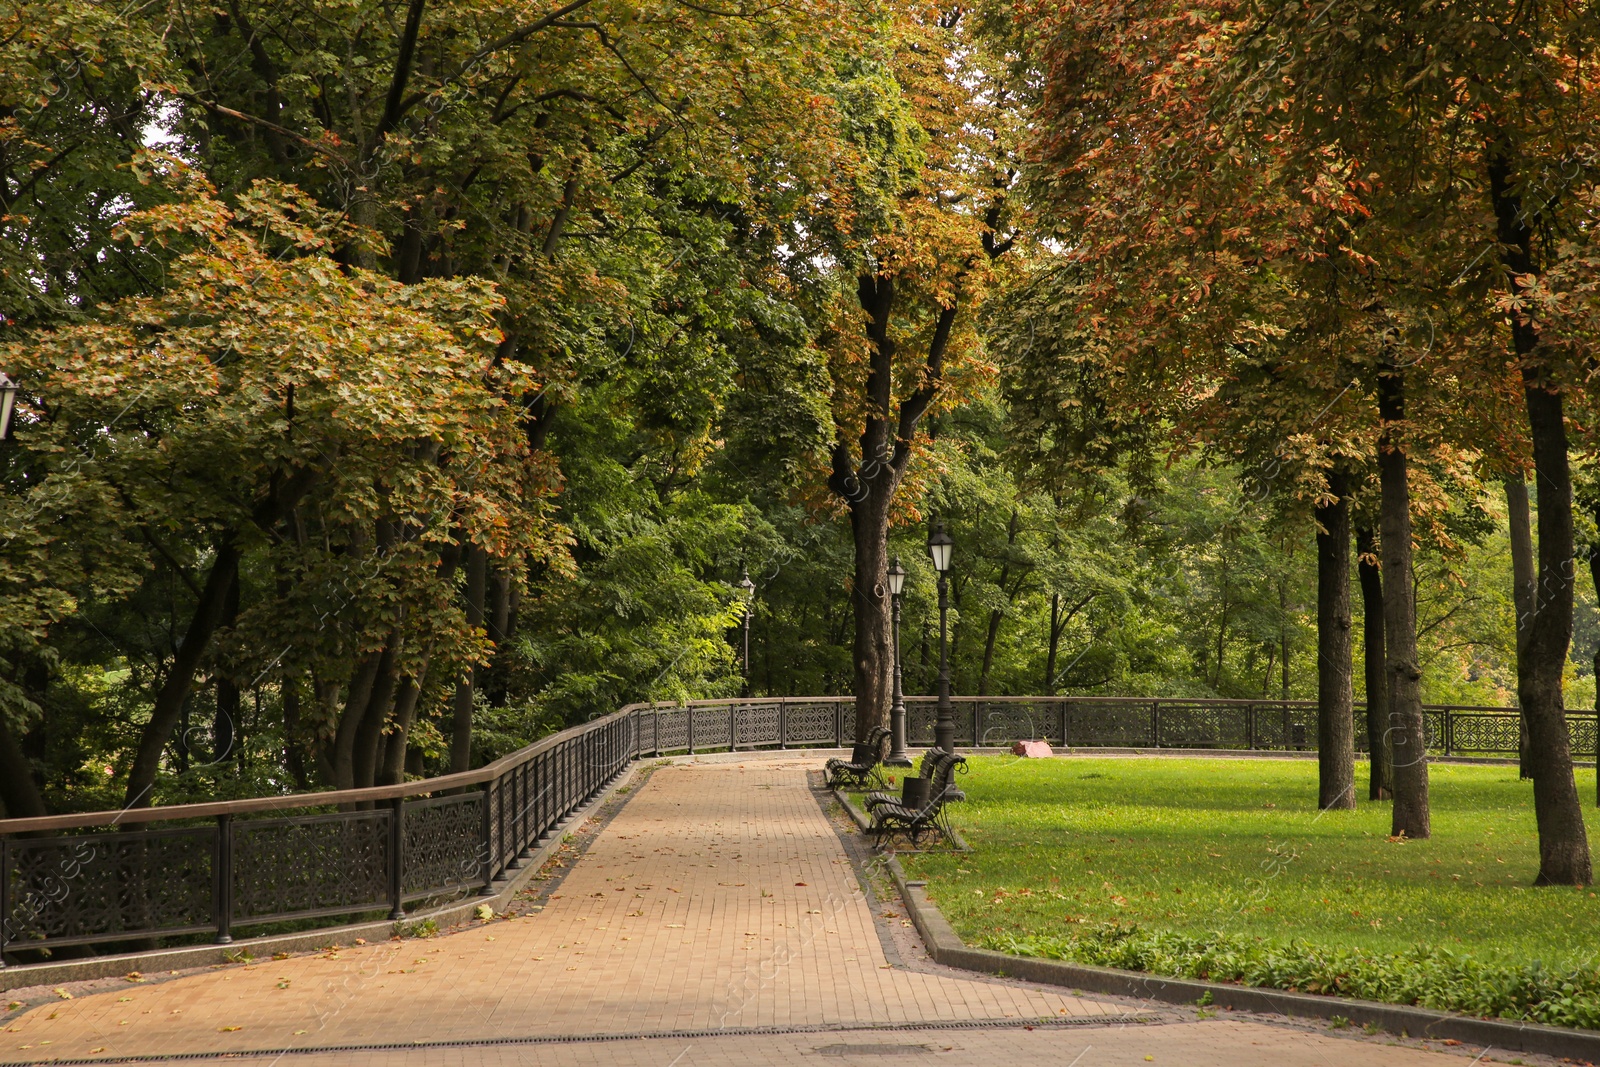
747,589
944,730
898,756
8,404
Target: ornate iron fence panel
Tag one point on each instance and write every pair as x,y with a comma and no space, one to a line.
1484,732
810,722
712,728
107,886
310,866
921,715
1108,724
442,849
1582,731
1003,722
758,723
1196,724
672,729
1284,725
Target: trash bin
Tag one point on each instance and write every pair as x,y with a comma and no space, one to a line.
914,793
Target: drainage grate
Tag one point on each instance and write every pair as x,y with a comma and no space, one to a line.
874,1050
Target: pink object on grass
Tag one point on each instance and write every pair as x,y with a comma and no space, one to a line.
1031,749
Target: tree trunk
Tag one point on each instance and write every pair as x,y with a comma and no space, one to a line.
497,686
362,682
393,768
1522,590
1336,755
1542,650
466,685
1380,770
174,691
1594,576
1055,645
1542,658
293,747
225,722
1404,736
18,789
369,734
872,651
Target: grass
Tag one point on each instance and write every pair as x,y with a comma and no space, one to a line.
1225,868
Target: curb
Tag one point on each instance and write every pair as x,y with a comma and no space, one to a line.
946,947
499,894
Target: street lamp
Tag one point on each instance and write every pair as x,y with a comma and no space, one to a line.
939,548
898,756
747,589
8,404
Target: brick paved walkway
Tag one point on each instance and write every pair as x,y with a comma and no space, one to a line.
719,899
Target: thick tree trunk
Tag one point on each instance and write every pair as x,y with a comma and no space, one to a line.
180,678
18,789
362,682
885,442
1563,840
1336,756
1542,649
461,707
1522,589
872,652
369,734
1594,576
392,771
1380,769
1405,736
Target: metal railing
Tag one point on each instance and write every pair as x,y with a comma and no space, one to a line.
210,869
1073,722
193,871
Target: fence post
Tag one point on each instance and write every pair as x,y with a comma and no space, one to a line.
655,728
486,835
688,710
1066,724
1250,726
5,895
397,858
1155,724
838,725
222,879
977,716
733,727
783,723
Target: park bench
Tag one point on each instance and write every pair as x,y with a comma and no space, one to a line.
861,768
895,817
925,770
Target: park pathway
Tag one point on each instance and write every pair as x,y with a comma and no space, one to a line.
716,918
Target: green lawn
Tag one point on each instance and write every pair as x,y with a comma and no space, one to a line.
1198,856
